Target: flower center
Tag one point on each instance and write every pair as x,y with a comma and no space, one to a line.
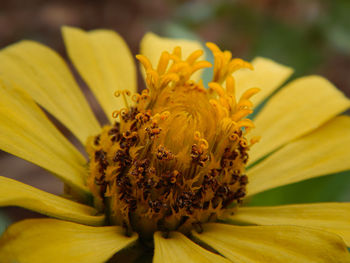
176,159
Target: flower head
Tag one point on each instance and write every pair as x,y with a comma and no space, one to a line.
171,167
176,159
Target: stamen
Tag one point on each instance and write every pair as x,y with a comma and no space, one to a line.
197,135
144,61
163,62
249,93
237,64
224,66
244,104
246,123
217,88
177,52
254,140
124,93
200,65
213,47
230,85
115,114
241,114
203,144
170,77
136,98
234,137
194,56
243,142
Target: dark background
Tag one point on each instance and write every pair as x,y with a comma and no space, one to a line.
311,36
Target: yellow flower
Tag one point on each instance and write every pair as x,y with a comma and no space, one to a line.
170,170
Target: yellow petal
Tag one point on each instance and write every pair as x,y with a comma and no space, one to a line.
14,193
46,78
26,132
178,248
332,217
274,244
50,240
267,76
300,107
105,63
324,151
152,47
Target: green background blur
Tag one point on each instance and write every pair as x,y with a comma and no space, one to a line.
311,36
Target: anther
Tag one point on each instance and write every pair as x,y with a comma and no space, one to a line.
163,154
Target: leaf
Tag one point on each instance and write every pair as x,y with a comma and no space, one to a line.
332,188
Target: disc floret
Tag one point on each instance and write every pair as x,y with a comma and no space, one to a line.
177,157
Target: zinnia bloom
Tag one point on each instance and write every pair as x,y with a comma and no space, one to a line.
172,168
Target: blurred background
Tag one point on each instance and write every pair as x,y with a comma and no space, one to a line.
311,36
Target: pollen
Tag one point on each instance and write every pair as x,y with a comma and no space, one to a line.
175,156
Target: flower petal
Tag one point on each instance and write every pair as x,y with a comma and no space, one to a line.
26,132
14,193
267,76
178,248
332,217
152,47
46,78
50,240
105,63
324,151
300,107
252,244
